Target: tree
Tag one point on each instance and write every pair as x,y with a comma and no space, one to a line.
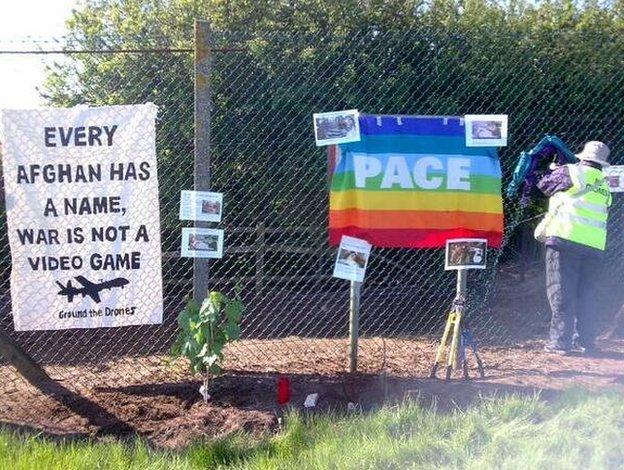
554,67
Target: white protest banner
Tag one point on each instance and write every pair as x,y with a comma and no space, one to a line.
352,259
83,220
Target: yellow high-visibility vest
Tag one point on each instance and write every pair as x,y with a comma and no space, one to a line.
580,213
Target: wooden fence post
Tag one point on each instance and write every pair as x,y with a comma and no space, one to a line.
26,366
354,323
260,253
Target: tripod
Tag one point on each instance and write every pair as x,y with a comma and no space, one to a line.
457,337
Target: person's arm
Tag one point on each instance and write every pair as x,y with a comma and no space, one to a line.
558,180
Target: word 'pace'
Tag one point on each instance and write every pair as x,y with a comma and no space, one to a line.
424,173
97,262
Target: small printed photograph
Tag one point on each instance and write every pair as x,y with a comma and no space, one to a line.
210,207
466,253
201,205
486,130
352,258
614,174
613,181
202,243
337,127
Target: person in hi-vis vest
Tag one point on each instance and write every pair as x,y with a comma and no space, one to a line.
575,233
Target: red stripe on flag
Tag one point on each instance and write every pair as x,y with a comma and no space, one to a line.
412,238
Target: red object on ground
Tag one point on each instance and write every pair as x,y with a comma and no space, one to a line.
283,390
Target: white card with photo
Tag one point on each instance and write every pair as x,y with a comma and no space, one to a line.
352,259
614,174
465,253
485,130
201,243
201,205
338,127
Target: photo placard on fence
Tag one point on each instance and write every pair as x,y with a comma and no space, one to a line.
83,218
465,253
486,130
352,259
614,175
202,243
337,127
201,205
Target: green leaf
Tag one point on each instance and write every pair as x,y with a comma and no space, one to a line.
190,349
205,350
217,298
219,341
209,311
232,330
211,359
205,330
192,306
234,310
198,336
198,367
176,348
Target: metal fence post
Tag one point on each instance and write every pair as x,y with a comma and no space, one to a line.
354,323
202,111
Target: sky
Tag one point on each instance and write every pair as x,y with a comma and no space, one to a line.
21,20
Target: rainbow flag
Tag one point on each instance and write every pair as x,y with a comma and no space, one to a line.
411,182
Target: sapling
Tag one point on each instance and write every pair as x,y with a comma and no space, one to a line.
204,330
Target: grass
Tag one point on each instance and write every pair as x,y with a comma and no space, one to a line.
579,430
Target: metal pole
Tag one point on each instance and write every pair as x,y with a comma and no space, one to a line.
354,323
202,111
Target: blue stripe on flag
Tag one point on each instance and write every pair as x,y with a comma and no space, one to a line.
371,124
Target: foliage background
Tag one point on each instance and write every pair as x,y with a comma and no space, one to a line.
553,67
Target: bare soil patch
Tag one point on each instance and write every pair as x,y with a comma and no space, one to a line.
162,404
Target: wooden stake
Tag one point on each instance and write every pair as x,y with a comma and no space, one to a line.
24,364
354,324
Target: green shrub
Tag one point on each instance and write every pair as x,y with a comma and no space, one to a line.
205,330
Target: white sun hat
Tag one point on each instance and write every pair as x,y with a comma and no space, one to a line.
595,151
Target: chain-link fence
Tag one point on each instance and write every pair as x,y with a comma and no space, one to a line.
274,180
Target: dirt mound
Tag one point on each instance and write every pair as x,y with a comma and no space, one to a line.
172,414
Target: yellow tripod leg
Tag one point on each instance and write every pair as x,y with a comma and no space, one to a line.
439,359
453,357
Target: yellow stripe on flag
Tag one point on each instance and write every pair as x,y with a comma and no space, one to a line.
423,201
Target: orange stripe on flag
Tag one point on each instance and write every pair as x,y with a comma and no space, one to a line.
415,220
